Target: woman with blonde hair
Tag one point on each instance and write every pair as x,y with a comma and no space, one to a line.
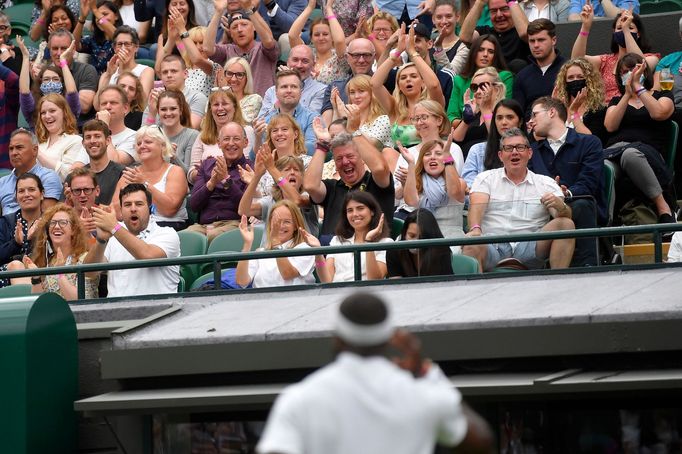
434,183
580,87
59,144
380,26
284,138
374,123
484,92
239,78
59,241
224,108
415,81
284,230
164,180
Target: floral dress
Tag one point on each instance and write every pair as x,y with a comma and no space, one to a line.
101,52
333,69
51,283
349,11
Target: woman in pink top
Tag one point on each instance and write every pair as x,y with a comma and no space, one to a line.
628,37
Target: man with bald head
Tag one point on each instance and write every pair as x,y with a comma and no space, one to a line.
360,55
218,187
302,59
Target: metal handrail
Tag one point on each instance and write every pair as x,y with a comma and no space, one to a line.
356,249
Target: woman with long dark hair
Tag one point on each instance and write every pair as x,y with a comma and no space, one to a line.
507,114
362,222
430,261
100,44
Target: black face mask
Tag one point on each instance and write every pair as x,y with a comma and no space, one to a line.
619,37
573,87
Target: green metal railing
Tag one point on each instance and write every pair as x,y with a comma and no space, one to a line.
216,259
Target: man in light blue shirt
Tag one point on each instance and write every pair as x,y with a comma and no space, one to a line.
302,59
23,155
603,8
288,86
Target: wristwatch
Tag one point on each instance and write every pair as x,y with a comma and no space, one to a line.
184,34
357,133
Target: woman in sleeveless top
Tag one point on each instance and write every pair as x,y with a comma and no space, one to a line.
165,181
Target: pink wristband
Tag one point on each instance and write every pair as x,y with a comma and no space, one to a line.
63,63
475,226
102,20
487,116
512,3
180,46
448,160
150,120
395,53
41,21
582,33
320,263
371,36
281,182
333,16
575,116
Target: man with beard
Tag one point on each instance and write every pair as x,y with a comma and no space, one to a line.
137,238
97,144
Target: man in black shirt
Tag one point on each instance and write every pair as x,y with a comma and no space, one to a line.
351,152
97,144
509,27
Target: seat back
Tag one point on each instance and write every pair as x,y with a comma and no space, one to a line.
671,150
396,227
231,242
191,243
463,264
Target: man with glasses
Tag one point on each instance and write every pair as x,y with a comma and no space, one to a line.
575,161
98,146
513,200
23,156
243,26
10,55
360,55
81,190
509,27
218,187
302,59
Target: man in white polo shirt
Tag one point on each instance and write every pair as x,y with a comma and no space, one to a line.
365,403
137,238
513,200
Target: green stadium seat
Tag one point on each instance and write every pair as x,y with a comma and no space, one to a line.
12,291
671,146
4,172
201,280
20,17
662,6
146,62
396,227
191,243
231,242
463,264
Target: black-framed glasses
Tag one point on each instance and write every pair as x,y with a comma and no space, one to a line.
120,44
520,148
60,222
360,55
240,75
4,28
79,191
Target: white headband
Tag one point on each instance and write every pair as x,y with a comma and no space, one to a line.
364,335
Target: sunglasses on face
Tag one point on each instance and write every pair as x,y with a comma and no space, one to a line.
475,87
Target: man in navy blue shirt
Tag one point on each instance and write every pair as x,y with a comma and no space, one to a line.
576,162
537,79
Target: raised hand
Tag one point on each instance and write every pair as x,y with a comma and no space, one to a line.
85,7
268,157
153,101
405,153
310,239
375,233
22,45
59,259
578,104
28,263
220,5
320,131
18,234
587,15
105,221
247,231
87,221
411,46
133,175
246,174
353,117
401,44
112,65
426,7
68,53
104,116
361,28
259,126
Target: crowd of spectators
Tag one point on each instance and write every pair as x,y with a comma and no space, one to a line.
120,119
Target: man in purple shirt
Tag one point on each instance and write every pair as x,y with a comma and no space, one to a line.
218,187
